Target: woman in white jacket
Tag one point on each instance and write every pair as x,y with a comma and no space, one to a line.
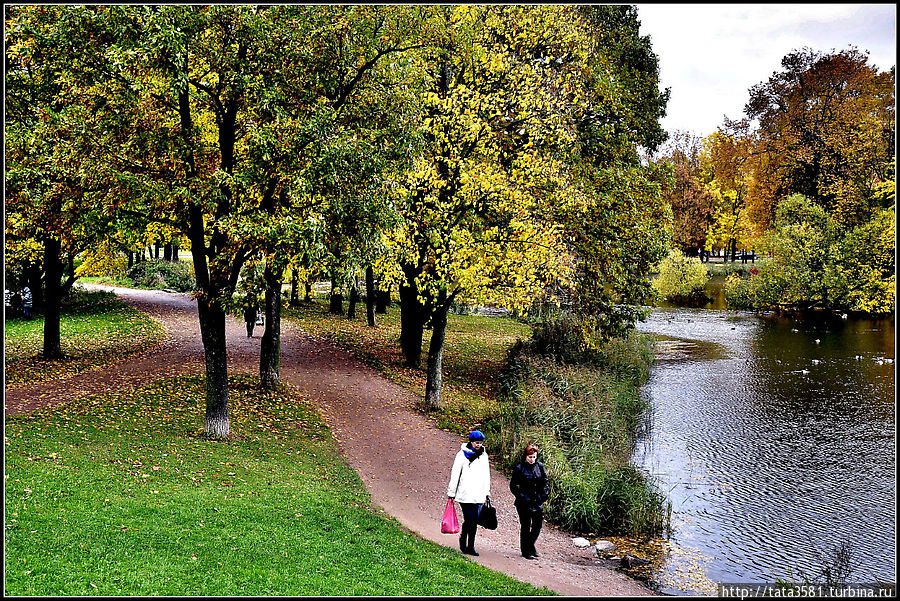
470,485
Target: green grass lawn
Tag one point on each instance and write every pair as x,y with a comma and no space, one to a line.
474,352
95,328
121,495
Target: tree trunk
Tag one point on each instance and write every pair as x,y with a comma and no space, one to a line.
211,314
167,252
370,297
354,297
174,250
270,346
156,248
336,304
295,275
212,331
308,292
52,308
382,301
412,322
436,352
130,259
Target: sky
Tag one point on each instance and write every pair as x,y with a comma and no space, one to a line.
711,54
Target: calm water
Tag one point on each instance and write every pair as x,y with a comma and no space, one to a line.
774,444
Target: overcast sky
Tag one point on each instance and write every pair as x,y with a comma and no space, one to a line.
711,54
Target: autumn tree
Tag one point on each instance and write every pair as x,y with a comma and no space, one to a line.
826,123
727,165
159,94
475,205
693,206
619,226
330,118
50,211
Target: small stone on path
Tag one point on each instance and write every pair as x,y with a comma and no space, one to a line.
581,542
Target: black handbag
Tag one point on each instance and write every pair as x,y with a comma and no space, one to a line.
487,517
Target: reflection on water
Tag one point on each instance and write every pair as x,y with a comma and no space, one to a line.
774,439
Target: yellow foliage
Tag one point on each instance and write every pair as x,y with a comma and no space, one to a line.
104,260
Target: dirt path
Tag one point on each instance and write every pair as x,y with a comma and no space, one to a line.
402,458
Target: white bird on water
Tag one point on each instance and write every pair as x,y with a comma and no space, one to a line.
815,361
818,341
858,357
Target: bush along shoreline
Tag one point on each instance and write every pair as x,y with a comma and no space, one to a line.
577,396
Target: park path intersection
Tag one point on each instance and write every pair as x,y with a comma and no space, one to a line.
402,458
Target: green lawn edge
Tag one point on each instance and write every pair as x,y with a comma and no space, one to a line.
120,494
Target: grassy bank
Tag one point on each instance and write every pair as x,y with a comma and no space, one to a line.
95,328
578,398
120,495
582,410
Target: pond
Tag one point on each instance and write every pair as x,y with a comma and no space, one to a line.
774,439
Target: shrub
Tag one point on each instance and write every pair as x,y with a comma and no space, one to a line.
564,337
681,278
153,273
738,292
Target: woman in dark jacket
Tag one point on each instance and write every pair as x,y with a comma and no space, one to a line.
530,486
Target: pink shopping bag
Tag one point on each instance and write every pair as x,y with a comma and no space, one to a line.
450,523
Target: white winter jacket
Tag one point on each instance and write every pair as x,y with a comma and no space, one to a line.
470,482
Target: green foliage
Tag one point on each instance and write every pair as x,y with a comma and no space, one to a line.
681,278
861,275
581,406
158,274
817,264
122,495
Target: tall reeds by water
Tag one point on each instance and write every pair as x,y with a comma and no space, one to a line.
577,397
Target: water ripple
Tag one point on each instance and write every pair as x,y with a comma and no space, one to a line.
774,448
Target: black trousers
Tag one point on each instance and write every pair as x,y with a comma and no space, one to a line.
531,520
469,526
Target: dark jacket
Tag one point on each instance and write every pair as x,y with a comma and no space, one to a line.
529,484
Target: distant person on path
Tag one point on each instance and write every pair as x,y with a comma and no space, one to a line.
26,302
470,485
531,488
250,312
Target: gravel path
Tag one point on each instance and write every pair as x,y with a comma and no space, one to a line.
402,458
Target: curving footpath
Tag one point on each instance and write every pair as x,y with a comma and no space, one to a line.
402,458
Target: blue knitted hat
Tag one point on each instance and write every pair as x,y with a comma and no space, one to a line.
475,435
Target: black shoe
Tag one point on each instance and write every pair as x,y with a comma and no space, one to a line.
471,551
528,556
535,554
